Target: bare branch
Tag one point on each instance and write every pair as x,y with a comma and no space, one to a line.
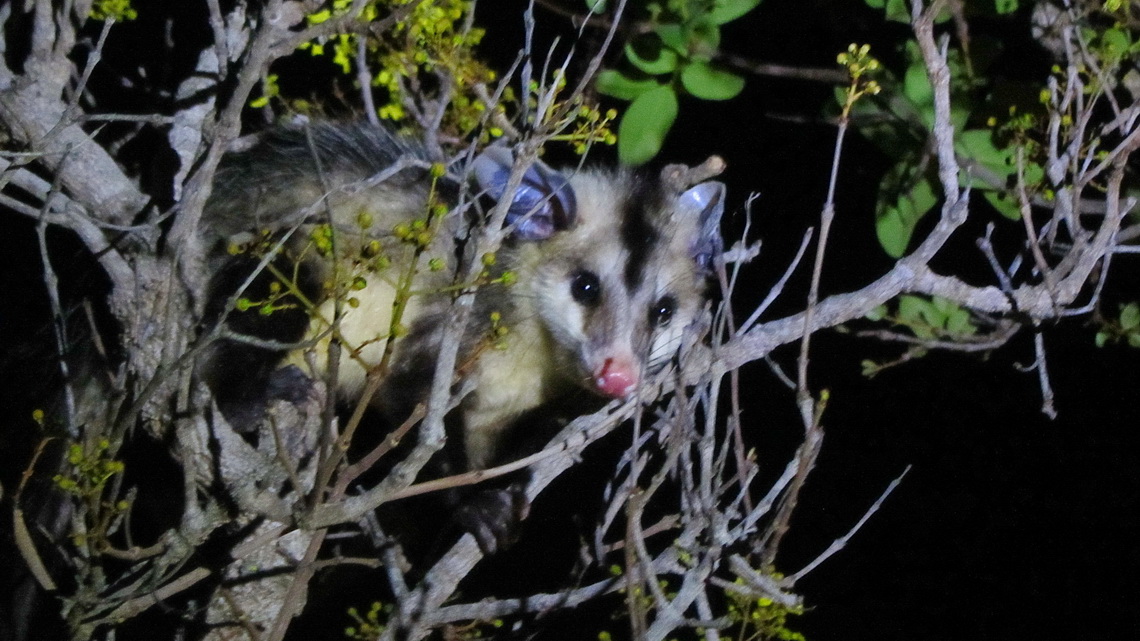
842,541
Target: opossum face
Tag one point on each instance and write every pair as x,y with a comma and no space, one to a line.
614,267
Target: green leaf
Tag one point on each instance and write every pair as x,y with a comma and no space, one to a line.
596,6
959,114
1101,339
913,309
708,83
896,10
870,368
879,312
672,35
1116,41
917,89
994,166
703,40
934,315
1134,340
645,124
1034,173
658,59
978,144
728,10
944,305
1130,316
1004,203
960,323
1004,7
895,221
616,84
919,315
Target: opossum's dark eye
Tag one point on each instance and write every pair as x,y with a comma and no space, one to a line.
662,312
586,288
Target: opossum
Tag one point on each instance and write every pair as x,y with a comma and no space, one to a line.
609,267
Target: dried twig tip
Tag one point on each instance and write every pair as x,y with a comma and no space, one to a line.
680,177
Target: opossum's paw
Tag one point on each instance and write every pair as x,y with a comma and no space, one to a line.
289,384
494,517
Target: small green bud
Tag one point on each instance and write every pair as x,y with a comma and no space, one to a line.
438,170
402,231
364,219
243,304
353,302
359,283
488,259
436,264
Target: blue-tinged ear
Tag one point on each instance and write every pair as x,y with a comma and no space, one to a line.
705,202
542,205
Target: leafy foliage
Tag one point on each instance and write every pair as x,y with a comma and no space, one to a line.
761,618
674,56
424,37
1126,327
118,10
1001,155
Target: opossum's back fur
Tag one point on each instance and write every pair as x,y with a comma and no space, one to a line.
276,182
305,176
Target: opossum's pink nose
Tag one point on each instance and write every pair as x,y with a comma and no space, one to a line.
617,379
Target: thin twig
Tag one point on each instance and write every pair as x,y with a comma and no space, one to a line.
841,542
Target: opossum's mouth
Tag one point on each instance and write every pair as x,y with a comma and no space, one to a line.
617,378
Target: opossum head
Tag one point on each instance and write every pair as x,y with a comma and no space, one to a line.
612,263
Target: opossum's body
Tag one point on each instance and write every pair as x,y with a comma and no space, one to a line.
609,270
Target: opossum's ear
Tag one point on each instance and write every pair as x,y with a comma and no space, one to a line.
705,203
542,205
